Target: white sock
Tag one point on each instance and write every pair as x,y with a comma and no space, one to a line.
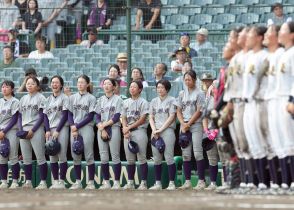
14,181
171,182
29,181
78,181
43,182
4,181
158,182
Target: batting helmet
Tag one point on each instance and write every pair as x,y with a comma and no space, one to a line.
133,147
22,134
78,145
109,132
4,148
185,138
52,147
158,144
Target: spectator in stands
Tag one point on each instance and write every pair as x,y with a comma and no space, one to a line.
201,40
20,49
187,66
50,10
41,49
43,81
181,56
150,11
185,42
137,75
76,9
122,62
278,16
32,19
9,14
114,73
7,58
206,81
92,38
22,6
160,70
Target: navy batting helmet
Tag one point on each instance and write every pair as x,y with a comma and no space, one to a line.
133,147
207,144
52,147
4,148
158,143
185,138
78,145
22,134
109,132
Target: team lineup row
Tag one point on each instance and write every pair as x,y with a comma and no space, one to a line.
34,120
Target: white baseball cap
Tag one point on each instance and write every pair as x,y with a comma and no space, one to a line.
203,31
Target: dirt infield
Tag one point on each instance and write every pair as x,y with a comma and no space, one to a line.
136,200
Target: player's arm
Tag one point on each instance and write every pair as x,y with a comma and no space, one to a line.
168,122
153,19
138,18
139,122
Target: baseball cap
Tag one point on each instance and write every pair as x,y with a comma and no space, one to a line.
180,49
184,34
122,57
30,71
92,30
203,31
207,76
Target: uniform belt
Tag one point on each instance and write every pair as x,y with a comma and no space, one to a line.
133,129
238,100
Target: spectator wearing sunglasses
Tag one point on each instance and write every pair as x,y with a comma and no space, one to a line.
92,38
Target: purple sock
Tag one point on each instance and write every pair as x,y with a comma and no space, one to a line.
78,171
15,171
273,171
105,171
172,172
91,171
187,170
225,173
262,170
117,171
28,171
144,171
284,170
63,170
201,169
43,171
157,172
213,173
131,171
3,171
54,170
292,168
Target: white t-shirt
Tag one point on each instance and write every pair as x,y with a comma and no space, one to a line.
36,55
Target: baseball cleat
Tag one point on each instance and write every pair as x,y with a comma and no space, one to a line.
211,187
14,185
129,186
90,186
42,186
171,186
3,185
142,186
76,186
116,186
186,186
105,186
156,187
200,186
27,185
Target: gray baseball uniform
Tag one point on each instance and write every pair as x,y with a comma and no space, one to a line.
161,110
7,109
133,110
107,108
80,106
188,102
29,107
53,110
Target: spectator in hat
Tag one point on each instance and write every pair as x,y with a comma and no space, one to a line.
181,56
201,40
41,49
278,15
185,42
7,58
207,82
92,38
122,62
9,14
20,49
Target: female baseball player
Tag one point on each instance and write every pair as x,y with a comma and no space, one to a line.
274,129
190,105
80,117
134,113
162,113
285,82
8,119
55,118
108,110
31,119
212,133
254,69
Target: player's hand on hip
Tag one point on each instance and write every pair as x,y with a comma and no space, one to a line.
30,134
47,135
